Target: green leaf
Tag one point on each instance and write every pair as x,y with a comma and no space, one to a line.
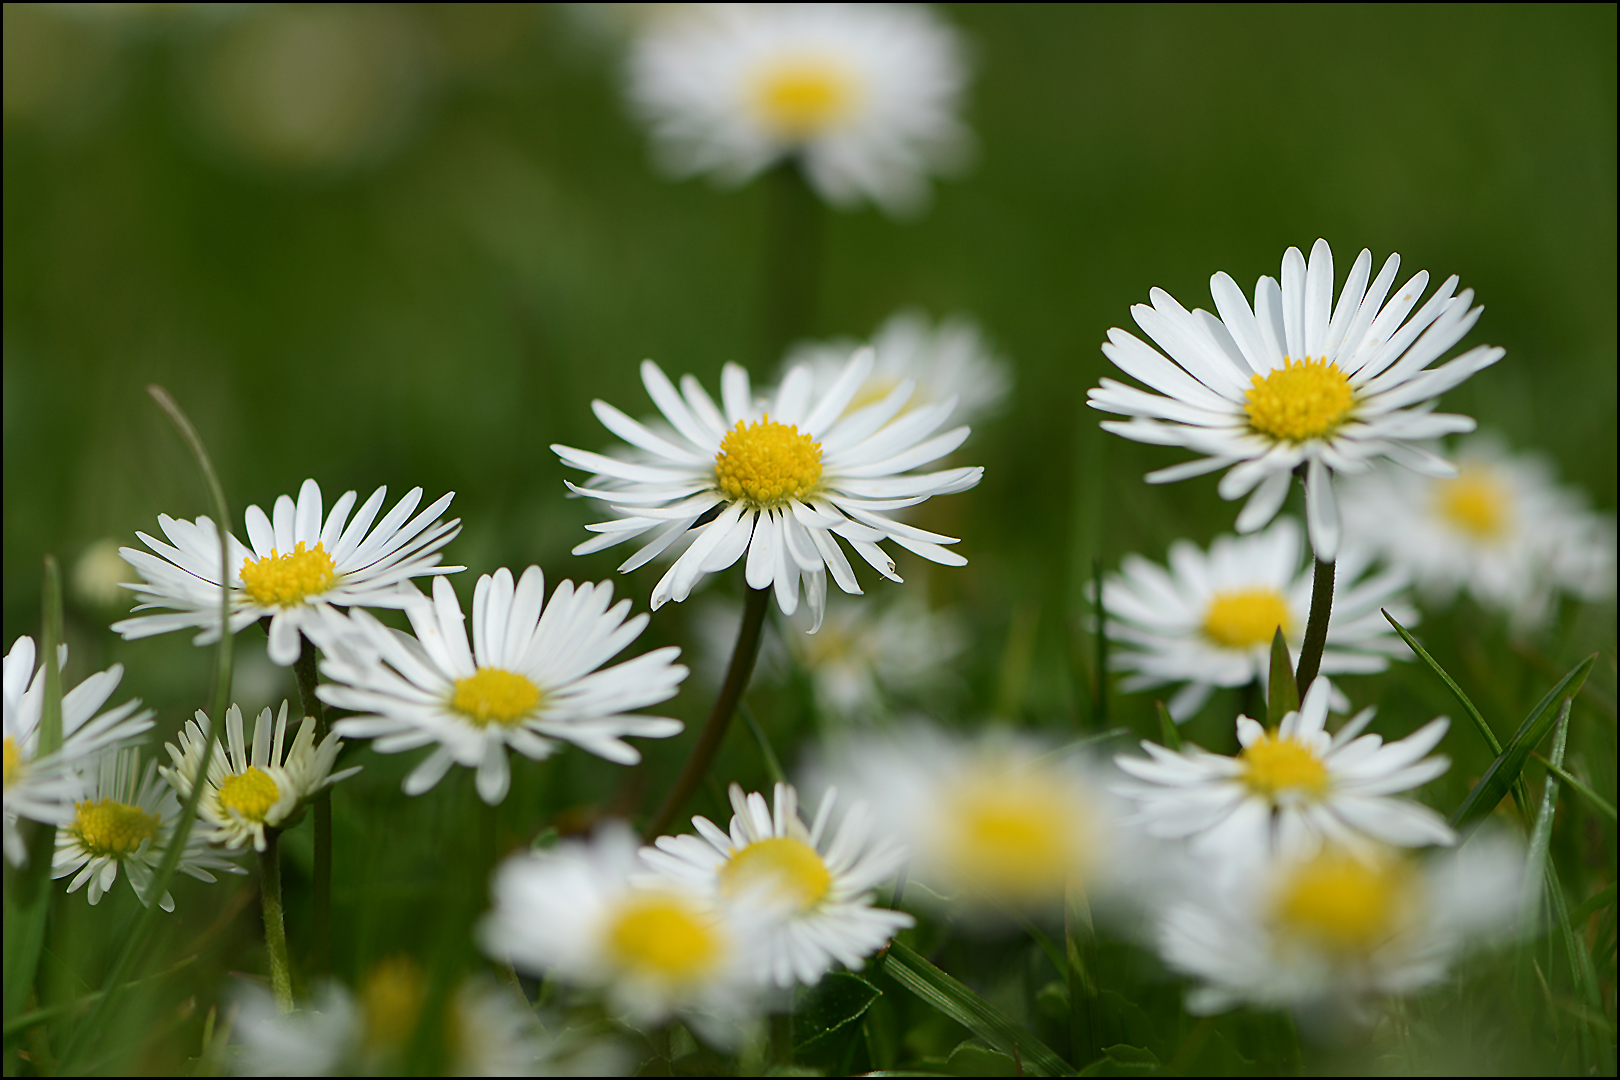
1434,665
973,1058
835,1003
1124,1060
1541,833
1503,773
1282,695
970,1010
1604,806
1168,735
1591,904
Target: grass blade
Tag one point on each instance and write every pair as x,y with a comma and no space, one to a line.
1168,735
1541,833
1603,805
773,765
1434,665
1282,691
970,1010
1504,772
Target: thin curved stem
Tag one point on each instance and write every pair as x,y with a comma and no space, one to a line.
714,730
275,923
320,947
1316,627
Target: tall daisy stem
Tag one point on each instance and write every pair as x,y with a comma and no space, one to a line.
1316,627
714,730
275,923
792,259
320,949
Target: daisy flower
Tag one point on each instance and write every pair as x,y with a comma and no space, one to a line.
864,96
1325,933
817,881
531,678
1292,789
44,787
127,819
784,479
1503,530
300,564
949,360
1208,619
250,789
577,912
863,658
1000,821
1296,382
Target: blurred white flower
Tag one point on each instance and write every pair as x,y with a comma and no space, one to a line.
533,675
866,96
1208,620
1503,530
816,881
950,359
866,656
1296,382
1293,789
1324,934
44,787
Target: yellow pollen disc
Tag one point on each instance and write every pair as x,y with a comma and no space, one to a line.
14,761
285,580
662,936
251,793
113,828
789,868
1475,503
391,1000
1012,837
1345,906
495,694
1243,618
1273,765
765,464
1301,400
800,98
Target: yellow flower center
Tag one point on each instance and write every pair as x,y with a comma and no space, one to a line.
663,936
765,464
1243,618
1013,837
14,761
1301,400
1273,765
1475,503
799,98
1344,905
875,389
250,794
113,828
285,580
495,694
391,1001
788,868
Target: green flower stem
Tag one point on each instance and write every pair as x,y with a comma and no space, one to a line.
275,923
320,949
714,730
1316,627
792,269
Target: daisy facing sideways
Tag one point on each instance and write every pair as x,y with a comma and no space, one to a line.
1208,619
44,787
1293,789
532,677
817,881
251,788
864,96
785,479
300,564
1296,382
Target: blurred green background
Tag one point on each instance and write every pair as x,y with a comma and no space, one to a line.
407,246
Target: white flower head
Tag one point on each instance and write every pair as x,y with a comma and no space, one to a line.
1208,619
865,656
251,787
1296,381
951,359
580,912
865,96
533,676
127,819
300,564
785,478
1327,933
816,881
1503,530
1000,822
44,787
1293,789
